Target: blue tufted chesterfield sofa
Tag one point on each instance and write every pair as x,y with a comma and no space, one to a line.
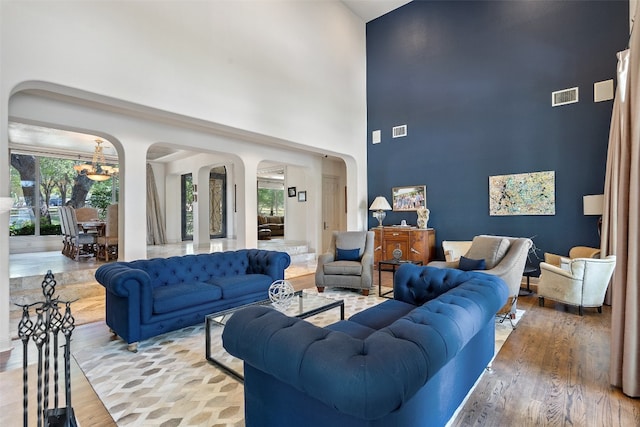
145,298
409,361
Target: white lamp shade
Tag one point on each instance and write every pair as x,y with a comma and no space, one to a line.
593,204
380,204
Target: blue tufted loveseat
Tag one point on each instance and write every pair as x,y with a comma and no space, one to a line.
145,298
409,361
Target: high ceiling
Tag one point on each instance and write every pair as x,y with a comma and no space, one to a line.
31,138
372,9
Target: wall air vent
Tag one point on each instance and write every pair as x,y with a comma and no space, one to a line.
399,131
565,96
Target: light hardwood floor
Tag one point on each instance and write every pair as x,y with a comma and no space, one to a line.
553,371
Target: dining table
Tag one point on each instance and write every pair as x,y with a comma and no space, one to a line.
93,226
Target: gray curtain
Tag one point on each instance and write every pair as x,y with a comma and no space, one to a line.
155,223
621,222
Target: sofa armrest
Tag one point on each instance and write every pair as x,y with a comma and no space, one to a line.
271,263
121,279
445,264
130,284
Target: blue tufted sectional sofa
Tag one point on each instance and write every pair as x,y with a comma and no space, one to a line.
405,362
145,298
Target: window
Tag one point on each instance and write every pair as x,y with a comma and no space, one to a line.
41,184
270,198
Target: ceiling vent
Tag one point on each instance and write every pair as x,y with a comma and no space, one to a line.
565,96
399,131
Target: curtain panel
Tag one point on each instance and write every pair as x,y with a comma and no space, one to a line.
621,222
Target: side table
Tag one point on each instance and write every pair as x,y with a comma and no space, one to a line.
529,270
394,263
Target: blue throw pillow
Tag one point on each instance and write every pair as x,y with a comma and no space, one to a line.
468,264
347,254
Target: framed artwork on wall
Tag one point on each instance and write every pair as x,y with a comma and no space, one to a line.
302,196
409,198
291,191
532,193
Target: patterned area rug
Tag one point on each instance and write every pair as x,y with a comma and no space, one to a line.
168,382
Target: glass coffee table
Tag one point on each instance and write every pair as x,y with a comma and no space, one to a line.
303,305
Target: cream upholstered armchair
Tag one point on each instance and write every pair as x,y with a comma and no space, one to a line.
574,252
583,283
348,263
453,250
500,256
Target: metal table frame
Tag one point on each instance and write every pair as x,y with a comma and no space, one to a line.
394,263
210,321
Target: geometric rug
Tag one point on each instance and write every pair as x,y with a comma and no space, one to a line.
168,382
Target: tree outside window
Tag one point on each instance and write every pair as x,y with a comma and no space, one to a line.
40,185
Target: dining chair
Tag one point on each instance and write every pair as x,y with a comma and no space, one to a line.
108,241
86,214
64,228
82,244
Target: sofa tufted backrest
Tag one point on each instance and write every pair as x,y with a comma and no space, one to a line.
416,285
190,268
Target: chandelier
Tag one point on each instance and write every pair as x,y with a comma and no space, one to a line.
97,170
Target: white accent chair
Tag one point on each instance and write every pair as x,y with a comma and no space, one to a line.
355,272
583,283
574,252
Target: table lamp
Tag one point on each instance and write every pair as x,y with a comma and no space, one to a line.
379,206
594,205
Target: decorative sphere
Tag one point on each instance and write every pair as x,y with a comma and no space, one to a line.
281,293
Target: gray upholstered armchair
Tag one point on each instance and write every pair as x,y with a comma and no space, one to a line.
504,257
583,282
348,263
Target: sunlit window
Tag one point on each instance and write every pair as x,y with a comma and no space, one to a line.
41,184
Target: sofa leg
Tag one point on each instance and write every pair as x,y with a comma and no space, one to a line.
600,309
365,292
580,311
320,289
133,347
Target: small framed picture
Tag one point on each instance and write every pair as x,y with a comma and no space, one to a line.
291,191
409,198
302,196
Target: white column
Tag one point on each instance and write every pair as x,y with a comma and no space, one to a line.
201,235
247,203
5,333
133,196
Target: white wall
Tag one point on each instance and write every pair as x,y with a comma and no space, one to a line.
226,77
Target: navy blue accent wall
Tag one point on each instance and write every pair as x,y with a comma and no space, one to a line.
473,82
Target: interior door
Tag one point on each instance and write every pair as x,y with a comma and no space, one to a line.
217,202
186,197
331,205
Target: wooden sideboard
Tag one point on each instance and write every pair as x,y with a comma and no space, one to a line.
416,244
